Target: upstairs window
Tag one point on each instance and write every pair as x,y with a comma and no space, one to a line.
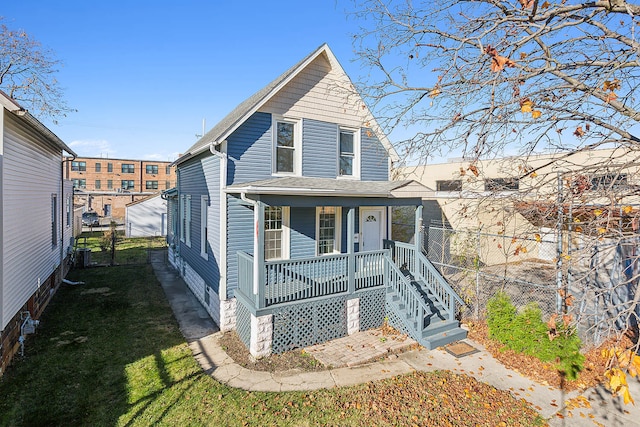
501,184
79,183
348,146
152,169
168,170
98,167
109,167
79,166
449,185
109,184
98,184
151,185
610,181
128,168
286,150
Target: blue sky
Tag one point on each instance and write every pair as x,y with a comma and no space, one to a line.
144,74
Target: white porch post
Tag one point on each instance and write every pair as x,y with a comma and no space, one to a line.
258,255
353,304
351,229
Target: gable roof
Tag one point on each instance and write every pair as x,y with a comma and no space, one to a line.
245,109
12,106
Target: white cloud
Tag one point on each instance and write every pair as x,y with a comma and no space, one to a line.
161,157
92,148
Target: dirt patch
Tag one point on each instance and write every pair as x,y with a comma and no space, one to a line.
533,368
294,359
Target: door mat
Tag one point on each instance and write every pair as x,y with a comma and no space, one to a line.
460,349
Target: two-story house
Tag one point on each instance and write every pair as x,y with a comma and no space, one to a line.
281,211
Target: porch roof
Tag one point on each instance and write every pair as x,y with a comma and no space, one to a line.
306,186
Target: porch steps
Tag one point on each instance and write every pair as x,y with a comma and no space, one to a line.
437,329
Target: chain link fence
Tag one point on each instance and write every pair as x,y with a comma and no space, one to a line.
478,265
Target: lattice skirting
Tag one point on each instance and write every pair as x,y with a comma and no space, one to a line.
243,323
372,308
308,323
395,321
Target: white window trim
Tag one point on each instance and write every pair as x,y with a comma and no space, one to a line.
297,146
338,230
180,218
204,214
357,137
187,237
286,234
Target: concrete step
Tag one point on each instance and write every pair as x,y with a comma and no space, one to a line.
444,338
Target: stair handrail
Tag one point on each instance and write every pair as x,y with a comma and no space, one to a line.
443,292
414,303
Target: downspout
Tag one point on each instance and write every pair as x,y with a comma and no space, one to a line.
222,229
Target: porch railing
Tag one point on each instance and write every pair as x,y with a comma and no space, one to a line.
408,297
304,278
245,274
415,263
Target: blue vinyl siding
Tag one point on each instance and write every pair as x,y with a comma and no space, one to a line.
197,178
303,231
374,160
239,238
249,150
319,149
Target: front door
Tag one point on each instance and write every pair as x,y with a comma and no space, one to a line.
371,228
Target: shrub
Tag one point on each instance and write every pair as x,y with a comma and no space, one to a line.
525,332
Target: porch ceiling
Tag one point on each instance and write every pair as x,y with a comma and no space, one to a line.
306,186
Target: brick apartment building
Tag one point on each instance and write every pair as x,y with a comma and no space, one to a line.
105,185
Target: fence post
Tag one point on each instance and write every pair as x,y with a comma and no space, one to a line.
477,266
417,237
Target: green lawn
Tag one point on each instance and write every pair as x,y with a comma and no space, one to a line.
128,251
109,352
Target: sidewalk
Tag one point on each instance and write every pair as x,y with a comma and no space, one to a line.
202,335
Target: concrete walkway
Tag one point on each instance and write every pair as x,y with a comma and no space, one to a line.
201,333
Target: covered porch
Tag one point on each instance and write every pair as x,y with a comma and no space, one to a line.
344,286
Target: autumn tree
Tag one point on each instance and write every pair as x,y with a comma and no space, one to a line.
491,78
27,74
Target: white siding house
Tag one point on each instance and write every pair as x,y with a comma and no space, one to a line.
146,217
36,224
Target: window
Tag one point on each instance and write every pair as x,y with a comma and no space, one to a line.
167,185
79,183
168,170
151,185
501,184
610,181
54,220
285,151
348,145
109,167
449,185
79,166
128,168
272,232
204,232
98,167
68,210
97,184
152,169
110,184
185,220
328,229
127,184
